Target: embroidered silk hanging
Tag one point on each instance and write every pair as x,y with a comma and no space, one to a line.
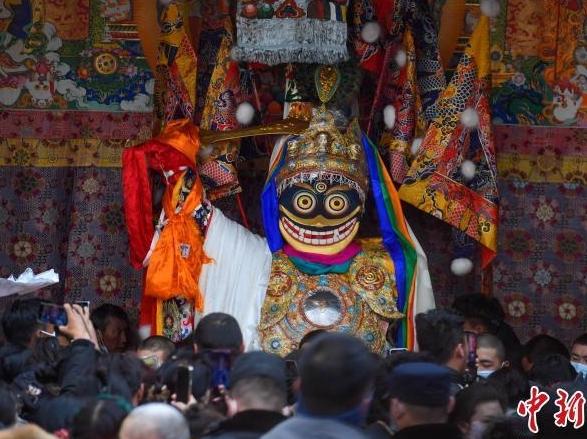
437,182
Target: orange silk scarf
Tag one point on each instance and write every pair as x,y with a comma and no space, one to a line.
176,262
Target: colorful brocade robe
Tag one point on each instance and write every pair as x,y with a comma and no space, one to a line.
360,302
276,304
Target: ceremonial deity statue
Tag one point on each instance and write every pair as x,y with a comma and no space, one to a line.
321,276
310,272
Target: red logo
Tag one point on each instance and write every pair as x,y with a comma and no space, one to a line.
570,409
532,406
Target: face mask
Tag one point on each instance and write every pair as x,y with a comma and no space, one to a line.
580,368
484,373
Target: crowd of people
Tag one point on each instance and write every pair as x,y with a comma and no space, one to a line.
471,378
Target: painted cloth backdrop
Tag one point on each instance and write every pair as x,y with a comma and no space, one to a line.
539,66
540,273
75,89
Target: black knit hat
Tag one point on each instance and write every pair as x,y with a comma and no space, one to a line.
422,384
218,331
258,364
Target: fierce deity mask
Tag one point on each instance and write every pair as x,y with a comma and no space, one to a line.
321,188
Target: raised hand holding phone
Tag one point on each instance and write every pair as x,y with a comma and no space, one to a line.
78,324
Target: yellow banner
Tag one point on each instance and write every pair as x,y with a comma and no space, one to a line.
546,168
62,153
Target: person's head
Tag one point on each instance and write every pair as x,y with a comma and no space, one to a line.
218,331
112,327
476,406
58,413
309,337
19,322
47,350
155,350
552,369
100,419
7,407
579,354
336,375
490,355
379,410
420,394
26,431
508,427
482,314
541,346
122,375
441,334
201,372
154,421
511,383
257,382
201,419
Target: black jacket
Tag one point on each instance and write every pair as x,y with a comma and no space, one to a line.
14,360
429,431
77,369
73,379
250,424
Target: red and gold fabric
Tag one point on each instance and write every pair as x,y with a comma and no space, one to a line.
410,121
218,166
435,183
176,67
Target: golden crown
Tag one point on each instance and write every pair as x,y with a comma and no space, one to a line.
322,152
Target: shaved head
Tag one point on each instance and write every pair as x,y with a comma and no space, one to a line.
155,421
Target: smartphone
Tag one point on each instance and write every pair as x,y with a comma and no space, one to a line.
83,303
184,384
52,313
470,375
471,341
221,362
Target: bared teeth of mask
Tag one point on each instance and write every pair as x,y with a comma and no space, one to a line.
330,241
322,241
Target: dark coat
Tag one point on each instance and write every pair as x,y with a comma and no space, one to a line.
14,359
305,427
76,381
429,431
249,424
